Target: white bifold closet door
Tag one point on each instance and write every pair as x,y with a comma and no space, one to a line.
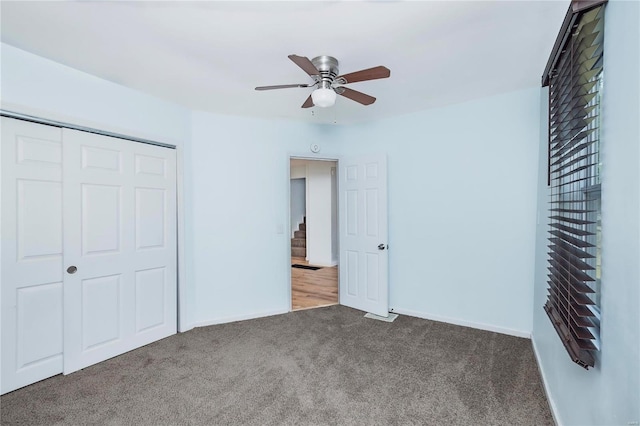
88,249
120,238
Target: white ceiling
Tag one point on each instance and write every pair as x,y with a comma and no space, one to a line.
210,55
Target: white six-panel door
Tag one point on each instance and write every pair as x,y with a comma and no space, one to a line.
32,347
104,205
120,239
364,280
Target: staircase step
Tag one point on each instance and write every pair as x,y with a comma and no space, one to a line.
302,226
298,252
298,242
299,234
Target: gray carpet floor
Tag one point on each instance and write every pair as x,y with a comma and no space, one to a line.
322,366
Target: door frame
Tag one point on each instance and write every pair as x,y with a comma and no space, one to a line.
184,320
308,157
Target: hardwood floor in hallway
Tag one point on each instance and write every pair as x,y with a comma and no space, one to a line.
313,289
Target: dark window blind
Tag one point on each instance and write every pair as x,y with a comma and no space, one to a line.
574,76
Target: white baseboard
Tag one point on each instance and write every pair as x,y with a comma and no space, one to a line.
552,405
330,264
235,318
464,323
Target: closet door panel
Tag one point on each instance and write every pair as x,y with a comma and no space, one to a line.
32,289
120,240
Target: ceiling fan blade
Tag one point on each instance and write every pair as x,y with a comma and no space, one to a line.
354,95
308,103
363,75
282,86
304,63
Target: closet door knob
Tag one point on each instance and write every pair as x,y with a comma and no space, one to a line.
71,269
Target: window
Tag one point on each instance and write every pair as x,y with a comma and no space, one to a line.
574,75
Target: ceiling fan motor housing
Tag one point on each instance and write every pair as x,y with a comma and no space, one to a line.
328,67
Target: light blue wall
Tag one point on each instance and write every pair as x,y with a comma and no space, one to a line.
454,184
608,394
462,186
457,184
240,188
37,86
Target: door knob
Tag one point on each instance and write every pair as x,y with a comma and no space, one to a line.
381,246
71,269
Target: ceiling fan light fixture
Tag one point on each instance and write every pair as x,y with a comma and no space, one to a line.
323,97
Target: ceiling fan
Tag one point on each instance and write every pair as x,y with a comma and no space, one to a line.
324,71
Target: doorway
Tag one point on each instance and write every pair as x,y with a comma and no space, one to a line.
314,233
